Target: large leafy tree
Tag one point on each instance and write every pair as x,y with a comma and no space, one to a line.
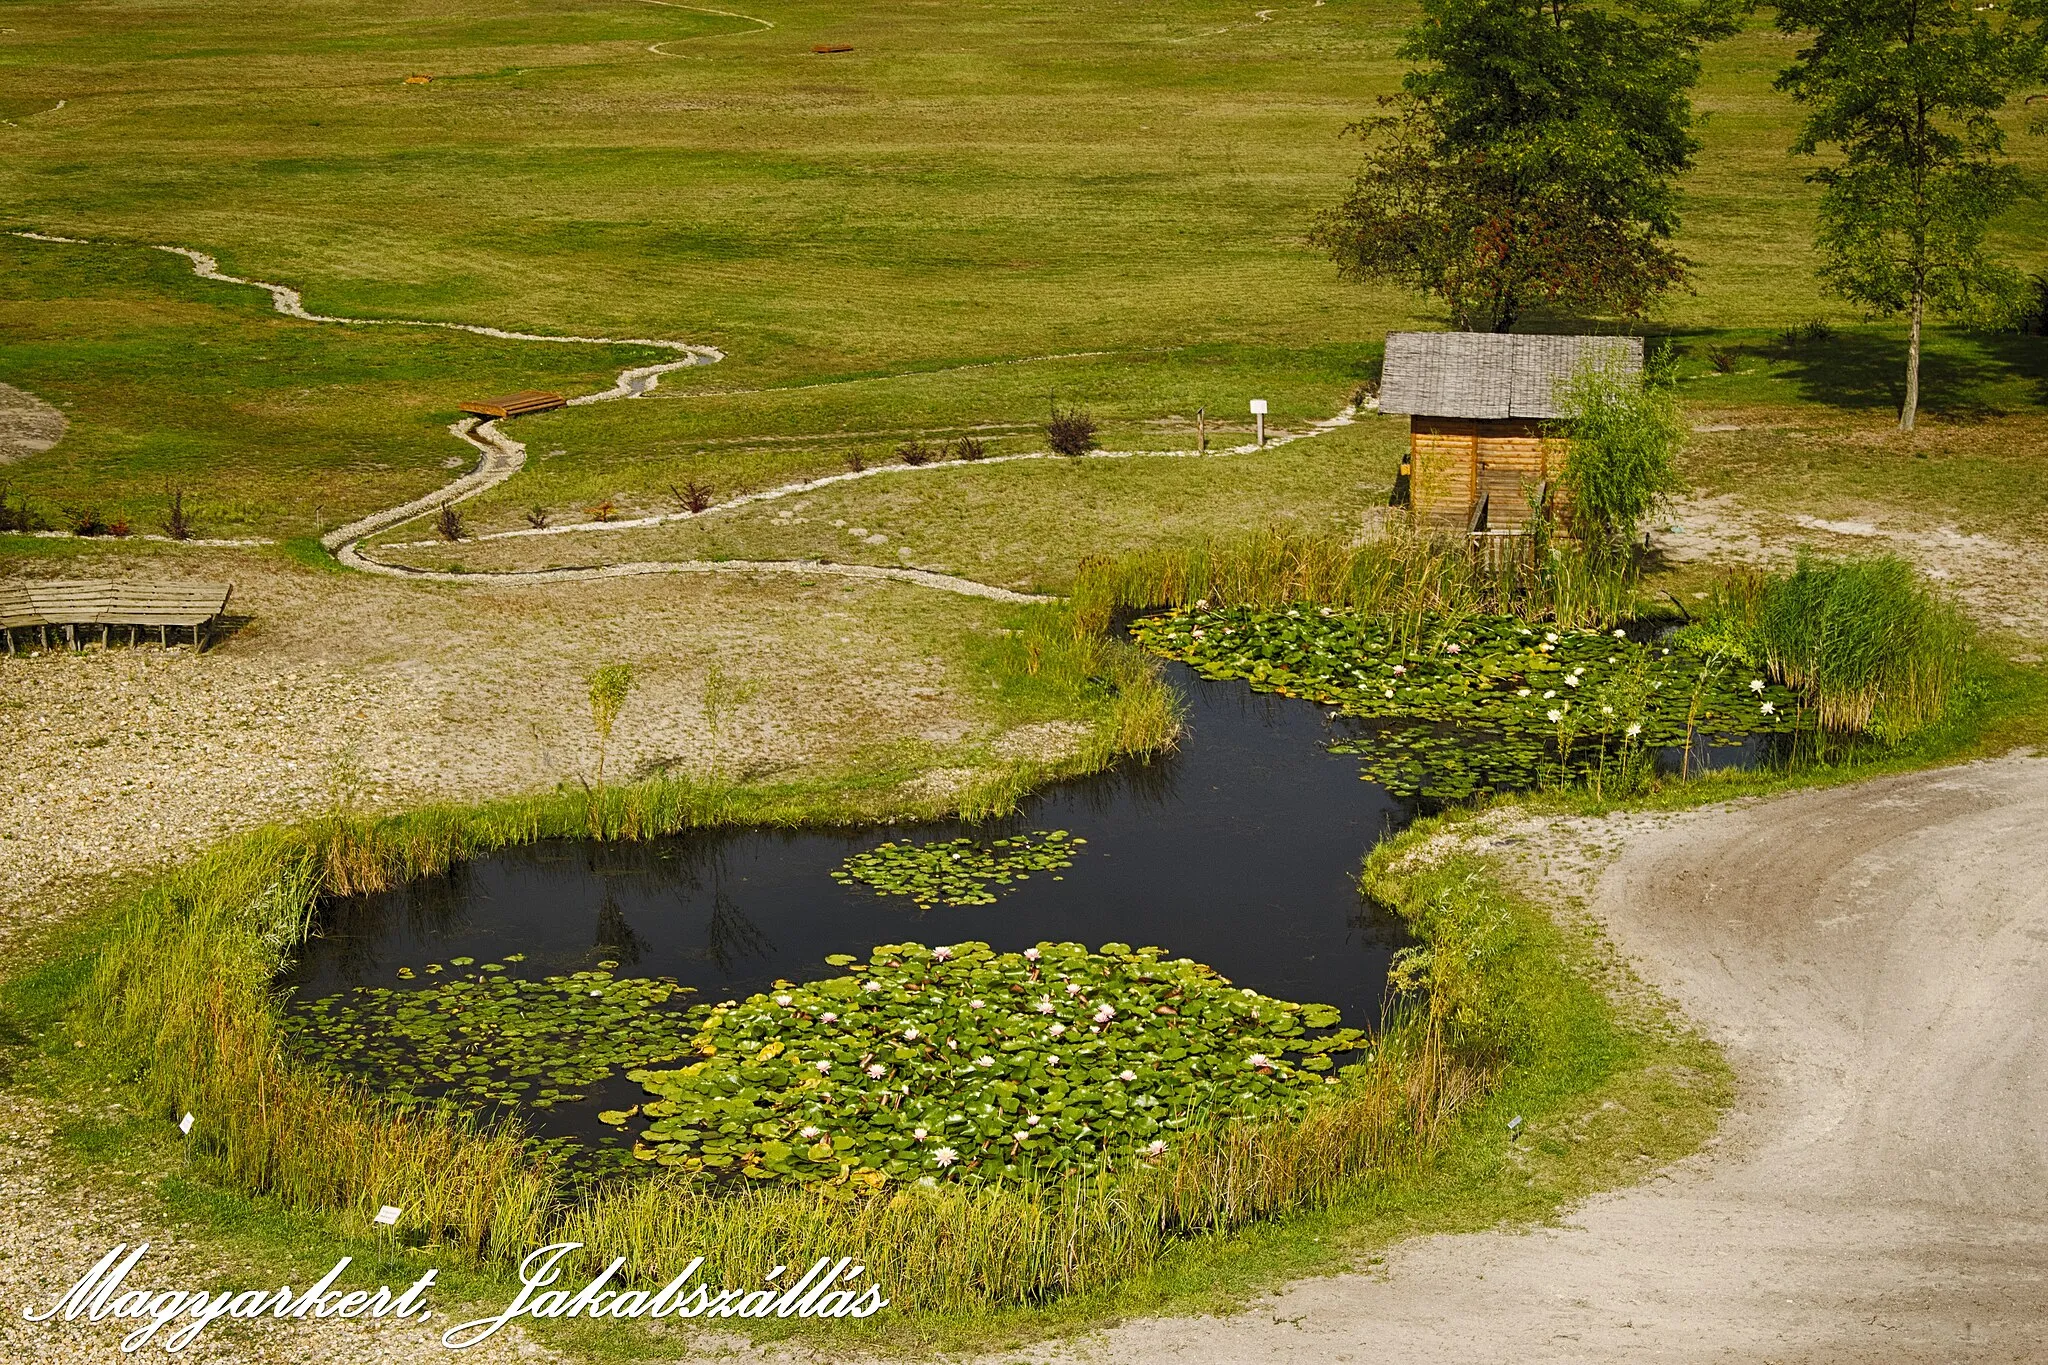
1907,91
1531,160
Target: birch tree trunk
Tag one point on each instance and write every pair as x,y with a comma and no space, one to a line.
1912,405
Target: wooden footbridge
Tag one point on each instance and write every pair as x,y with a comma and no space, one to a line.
75,607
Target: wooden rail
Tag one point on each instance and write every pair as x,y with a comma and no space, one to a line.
70,605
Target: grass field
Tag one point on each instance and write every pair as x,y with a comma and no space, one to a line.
886,242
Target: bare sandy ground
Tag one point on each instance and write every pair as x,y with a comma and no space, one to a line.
1875,961
2001,583
28,425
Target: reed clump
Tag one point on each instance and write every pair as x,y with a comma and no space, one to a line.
1873,648
1410,575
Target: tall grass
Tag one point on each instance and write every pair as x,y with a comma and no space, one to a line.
1409,576
1867,641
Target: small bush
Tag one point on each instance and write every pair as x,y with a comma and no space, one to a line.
608,510
855,461
177,525
693,497
915,452
969,448
118,528
16,514
537,516
1071,432
448,522
1723,358
1812,332
85,521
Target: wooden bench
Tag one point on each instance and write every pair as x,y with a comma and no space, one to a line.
69,604
518,404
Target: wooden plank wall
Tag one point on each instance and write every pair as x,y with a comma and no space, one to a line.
1457,459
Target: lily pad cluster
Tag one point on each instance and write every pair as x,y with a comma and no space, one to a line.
958,871
952,1063
484,1037
1478,703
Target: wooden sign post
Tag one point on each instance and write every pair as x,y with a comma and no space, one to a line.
1259,411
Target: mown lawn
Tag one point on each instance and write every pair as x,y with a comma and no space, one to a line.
976,213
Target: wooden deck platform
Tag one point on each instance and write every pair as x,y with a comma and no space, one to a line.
74,605
515,404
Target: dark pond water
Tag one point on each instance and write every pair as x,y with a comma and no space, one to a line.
1241,851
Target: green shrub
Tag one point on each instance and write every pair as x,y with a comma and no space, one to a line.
1625,437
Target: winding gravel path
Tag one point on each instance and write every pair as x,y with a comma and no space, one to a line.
500,457
1875,961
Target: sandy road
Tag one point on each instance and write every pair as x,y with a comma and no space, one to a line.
1875,961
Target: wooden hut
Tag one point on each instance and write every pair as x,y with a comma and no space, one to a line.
1479,407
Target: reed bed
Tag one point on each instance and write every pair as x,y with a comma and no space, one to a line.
1406,575
1866,640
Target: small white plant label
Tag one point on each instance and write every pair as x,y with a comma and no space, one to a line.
185,1125
388,1215
1259,405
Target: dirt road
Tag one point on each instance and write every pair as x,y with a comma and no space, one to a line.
1875,961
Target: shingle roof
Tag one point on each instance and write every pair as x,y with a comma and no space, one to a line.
1491,374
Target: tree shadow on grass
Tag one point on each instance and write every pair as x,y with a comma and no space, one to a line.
1960,377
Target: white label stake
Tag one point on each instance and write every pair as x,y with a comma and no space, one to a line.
1259,411
388,1215
185,1125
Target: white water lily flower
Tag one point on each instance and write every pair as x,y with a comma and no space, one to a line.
953,1044
1756,684
1521,691
1031,1120
1328,612
974,1004
1057,1029
910,1034
1635,728
945,1156
877,1070
1550,694
1571,680
1073,988
984,1062
871,986
1031,954
1020,1135
1052,1059
1400,668
1452,649
1258,1059
1550,636
1390,691
1045,1005
918,1133
1621,635
1127,1075
1105,1014
1556,715
941,954
1198,632
828,1017
782,999
824,1067
1202,605
1157,1147
1606,710
1769,709
1545,648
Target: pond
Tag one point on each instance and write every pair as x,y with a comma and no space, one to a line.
551,964
1241,850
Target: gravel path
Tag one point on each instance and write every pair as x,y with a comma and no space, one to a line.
1873,960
